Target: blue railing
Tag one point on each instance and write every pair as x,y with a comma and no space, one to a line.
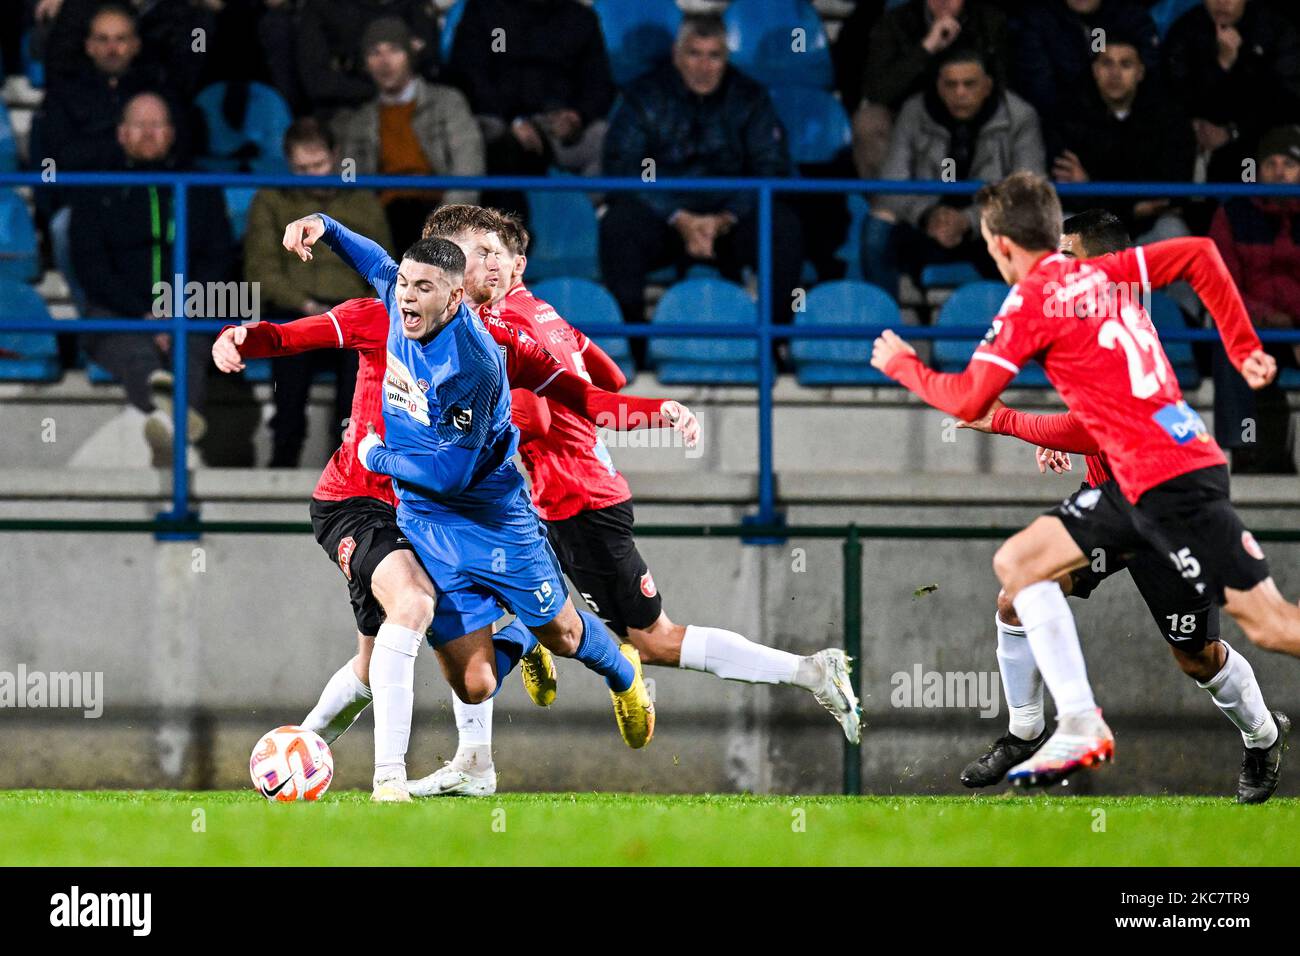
765,332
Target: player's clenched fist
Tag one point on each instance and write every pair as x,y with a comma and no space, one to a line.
683,421
886,348
225,350
1259,369
372,440
301,234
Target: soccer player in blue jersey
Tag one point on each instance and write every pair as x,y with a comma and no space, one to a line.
448,444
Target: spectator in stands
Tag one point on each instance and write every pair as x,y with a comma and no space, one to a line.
289,290
166,34
696,116
331,59
963,127
122,249
1057,41
414,128
78,126
1260,242
1122,130
902,55
538,79
1234,68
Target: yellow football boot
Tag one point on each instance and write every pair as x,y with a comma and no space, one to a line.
633,709
537,671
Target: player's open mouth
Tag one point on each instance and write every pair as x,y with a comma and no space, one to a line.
410,319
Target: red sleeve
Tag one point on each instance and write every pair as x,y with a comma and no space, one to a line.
360,324
603,370
966,395
608,409
530,414
1197,260
1062,432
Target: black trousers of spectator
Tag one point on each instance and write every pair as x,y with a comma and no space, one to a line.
293,376
635,240
1257,426
131,359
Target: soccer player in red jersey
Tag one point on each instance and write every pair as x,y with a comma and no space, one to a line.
353,509
1188,621
1082,319
588,509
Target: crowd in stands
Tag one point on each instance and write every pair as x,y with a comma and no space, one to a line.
1080,90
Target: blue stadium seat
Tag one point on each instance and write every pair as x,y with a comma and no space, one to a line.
1165,12
8,145
448,34
1165,314
1289,379
18,256
582,302
25,356
259,370
722,361
565,235
816,125
976,304
842,361
34,69
949,275
762,38
266,119
638,34
849,252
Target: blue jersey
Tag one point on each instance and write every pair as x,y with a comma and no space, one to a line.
448,435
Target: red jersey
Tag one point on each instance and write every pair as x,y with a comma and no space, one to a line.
1084,322
571,469
362,324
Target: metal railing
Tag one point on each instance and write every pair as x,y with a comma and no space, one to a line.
765,332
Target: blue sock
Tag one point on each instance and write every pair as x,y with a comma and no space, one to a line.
599,651
508,645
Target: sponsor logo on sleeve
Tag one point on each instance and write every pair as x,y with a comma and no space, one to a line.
1252,546
648,585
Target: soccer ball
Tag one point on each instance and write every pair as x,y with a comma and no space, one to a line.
291,763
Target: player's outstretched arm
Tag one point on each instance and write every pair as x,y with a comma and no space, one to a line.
1061,431
358,324
367,257
966,394
1197,260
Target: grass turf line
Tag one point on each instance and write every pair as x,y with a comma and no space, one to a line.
125,828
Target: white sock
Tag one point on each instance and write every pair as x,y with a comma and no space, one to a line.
473,722
392,682
733,657
1049,625
340,704
1022,685
1237,694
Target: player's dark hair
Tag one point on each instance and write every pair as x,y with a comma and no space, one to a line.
512,232
1023,207
438,252
703,26
1100,231
457,219
307,130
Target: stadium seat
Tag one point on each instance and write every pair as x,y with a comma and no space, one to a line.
762,38
1165,315
638,34
721,361
257,370
850,252
34,69
949,275
448,34
25,356
1165,12
8,145
18,255
582,302
266,118
842,361
976,304
1289,379
565,235
816,126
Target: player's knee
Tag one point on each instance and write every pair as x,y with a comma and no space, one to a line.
1008,567
475,689
412,608
1007,610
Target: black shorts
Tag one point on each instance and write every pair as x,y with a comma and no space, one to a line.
1103,526
599,555
358,533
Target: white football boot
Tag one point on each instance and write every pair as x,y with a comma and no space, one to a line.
391,788
836,692
1081,742
452,781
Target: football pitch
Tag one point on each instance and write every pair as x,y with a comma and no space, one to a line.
222,828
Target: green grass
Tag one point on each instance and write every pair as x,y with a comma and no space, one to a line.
49,827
